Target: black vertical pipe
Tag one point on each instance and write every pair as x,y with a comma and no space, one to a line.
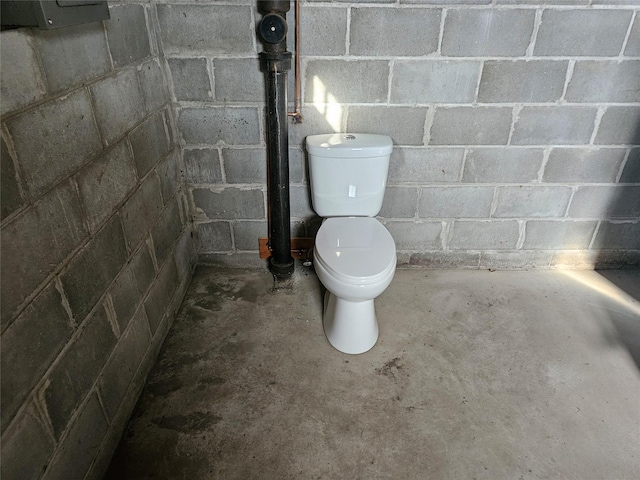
276,62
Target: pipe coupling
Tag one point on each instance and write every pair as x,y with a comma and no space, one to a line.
275,62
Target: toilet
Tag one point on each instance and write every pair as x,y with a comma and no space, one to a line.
354,254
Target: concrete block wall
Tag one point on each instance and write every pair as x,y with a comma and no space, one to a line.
516,124
96,246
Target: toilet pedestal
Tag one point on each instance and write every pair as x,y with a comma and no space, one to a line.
351,327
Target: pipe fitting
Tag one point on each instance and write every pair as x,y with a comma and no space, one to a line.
268,6
273,28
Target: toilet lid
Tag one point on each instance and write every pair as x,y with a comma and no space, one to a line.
355,248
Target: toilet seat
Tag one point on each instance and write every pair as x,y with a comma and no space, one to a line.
355,250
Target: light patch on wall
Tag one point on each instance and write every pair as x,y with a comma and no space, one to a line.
327,104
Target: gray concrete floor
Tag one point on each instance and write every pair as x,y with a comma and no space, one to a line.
477,374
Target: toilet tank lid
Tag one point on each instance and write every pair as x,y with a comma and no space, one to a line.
352,145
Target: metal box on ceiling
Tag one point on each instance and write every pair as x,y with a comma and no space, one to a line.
49,14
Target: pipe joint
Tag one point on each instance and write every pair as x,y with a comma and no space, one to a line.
275,62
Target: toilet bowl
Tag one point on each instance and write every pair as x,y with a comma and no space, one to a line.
355,259
354,254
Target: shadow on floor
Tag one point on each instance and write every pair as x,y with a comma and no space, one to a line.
625,309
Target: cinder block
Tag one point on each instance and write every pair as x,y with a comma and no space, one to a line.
300,197
317,121
484,235
419,236
619,126
188,28
399,202
47,150
239,80
434,81
169,176
543,2
214,237
583,165
27,253
76,452
128,35
141,211
358,1
539,201
94,268
419,27
105,182
149,143
21,81
185,256
297,166
230,203
516,260
340,81
119,105
471,126
617,236
455,202
487,32
141,266
615,2
201,165
425,165
605,202
73,376
582,32
153,85
230,125
554,235
605,81
502,165
631,171
161,294
325,30
246,234
12,198
633,43
405,125
29,346
27,435
191,80
554,125
72,55
448,259
166,232
123,363
447,2
506,81
124,297
247,165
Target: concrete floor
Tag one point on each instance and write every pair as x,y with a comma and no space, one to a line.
476,375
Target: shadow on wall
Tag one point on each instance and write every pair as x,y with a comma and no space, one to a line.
617,242
621,231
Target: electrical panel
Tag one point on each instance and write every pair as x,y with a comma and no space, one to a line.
49,14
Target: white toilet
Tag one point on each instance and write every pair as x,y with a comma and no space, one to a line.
354,254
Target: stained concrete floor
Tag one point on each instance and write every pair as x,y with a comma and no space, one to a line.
476,375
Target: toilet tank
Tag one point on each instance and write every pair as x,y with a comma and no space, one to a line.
348,173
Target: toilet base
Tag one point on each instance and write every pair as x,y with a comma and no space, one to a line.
351,327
